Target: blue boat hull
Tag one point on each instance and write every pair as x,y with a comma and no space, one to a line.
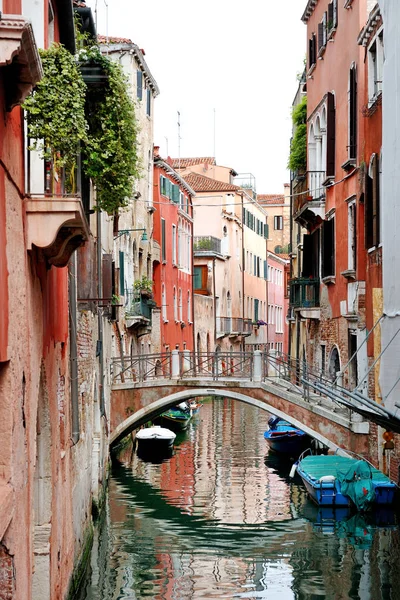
290,444
328,493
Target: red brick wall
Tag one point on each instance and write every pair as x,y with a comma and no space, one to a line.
7,579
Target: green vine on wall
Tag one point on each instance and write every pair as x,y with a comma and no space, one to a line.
298,147
56,109
65,117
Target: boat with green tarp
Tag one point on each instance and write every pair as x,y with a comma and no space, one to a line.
335,480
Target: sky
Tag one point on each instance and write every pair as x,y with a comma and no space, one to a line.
229,67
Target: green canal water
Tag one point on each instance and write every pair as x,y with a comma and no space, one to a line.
222,519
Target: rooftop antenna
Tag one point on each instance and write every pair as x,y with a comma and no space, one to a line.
166,142
106,5
214,135
179,140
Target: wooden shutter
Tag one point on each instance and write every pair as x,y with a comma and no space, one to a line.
368,212
335,13
375,202
324,26
107,276
163,248
331,136
265,270
266,231
256,302
307,256
328,248
330,16
148,108
255,265
122,273
320,36
139,82
353,115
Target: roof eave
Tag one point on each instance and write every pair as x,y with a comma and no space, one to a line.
311,4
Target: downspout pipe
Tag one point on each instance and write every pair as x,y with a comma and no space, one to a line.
73,350
243,266
99,315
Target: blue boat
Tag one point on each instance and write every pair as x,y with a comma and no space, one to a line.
286,439
344,481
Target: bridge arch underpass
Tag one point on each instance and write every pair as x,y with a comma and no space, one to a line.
153,409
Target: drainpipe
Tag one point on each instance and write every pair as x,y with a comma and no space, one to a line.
73,350
215,305
243,262
192,291
99,315
291,263
267,282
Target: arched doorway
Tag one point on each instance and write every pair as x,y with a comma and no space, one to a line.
334,363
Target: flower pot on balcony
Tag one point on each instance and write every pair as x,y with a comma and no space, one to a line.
93,74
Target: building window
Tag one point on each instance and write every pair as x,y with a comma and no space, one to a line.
372,204
174,256
139,85
352,237
312,51
163,242
323,358
322,33
278,222
375,67
148,102
353,113
50,35
200,280
332,16
328,248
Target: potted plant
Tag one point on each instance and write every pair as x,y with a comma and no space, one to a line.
143,286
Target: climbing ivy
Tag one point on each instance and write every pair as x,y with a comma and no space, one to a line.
298,147
65,117
110,152
56,108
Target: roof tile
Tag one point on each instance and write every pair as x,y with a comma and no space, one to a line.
201,183
103,39
270,198
184,163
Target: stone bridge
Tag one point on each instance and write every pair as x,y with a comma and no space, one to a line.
145,386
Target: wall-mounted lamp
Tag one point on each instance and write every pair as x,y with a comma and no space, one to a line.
144,237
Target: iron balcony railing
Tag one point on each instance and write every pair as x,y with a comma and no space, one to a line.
313,181
138,305
304,293
206,243
231,325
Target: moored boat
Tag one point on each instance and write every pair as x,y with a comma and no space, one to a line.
344,481
195,407
155,438
284,438
176,418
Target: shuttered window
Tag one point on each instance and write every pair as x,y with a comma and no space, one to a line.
372,205
353,114
163,241
122,273
328,248
331,136
148,102
312,51
266,231
139,85
265,270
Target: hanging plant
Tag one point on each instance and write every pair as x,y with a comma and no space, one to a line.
298,146
110,152
56,108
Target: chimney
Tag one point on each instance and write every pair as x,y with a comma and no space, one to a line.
156,150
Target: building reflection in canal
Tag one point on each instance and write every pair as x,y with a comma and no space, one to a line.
218,520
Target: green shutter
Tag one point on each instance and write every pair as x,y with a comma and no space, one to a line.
121,273
175,194
256,309
265,270
197,278
266,231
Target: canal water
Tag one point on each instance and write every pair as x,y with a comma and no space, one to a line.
222,519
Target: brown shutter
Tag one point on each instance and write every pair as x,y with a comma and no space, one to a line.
330,16
331,136
353,114
307,270
107,276
375,202
368,220
320,36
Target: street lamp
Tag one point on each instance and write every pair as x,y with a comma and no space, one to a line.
144,237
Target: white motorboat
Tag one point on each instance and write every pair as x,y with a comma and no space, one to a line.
155,437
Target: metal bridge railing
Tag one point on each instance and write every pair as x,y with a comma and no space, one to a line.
143,367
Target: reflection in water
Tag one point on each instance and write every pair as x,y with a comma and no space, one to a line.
220,520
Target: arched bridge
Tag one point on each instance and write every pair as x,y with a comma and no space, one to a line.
146,385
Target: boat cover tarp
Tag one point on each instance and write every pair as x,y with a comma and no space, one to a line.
356,484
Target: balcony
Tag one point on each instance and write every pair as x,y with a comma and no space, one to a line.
309,206
233,326
57,225
304,297
206,245
138,309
